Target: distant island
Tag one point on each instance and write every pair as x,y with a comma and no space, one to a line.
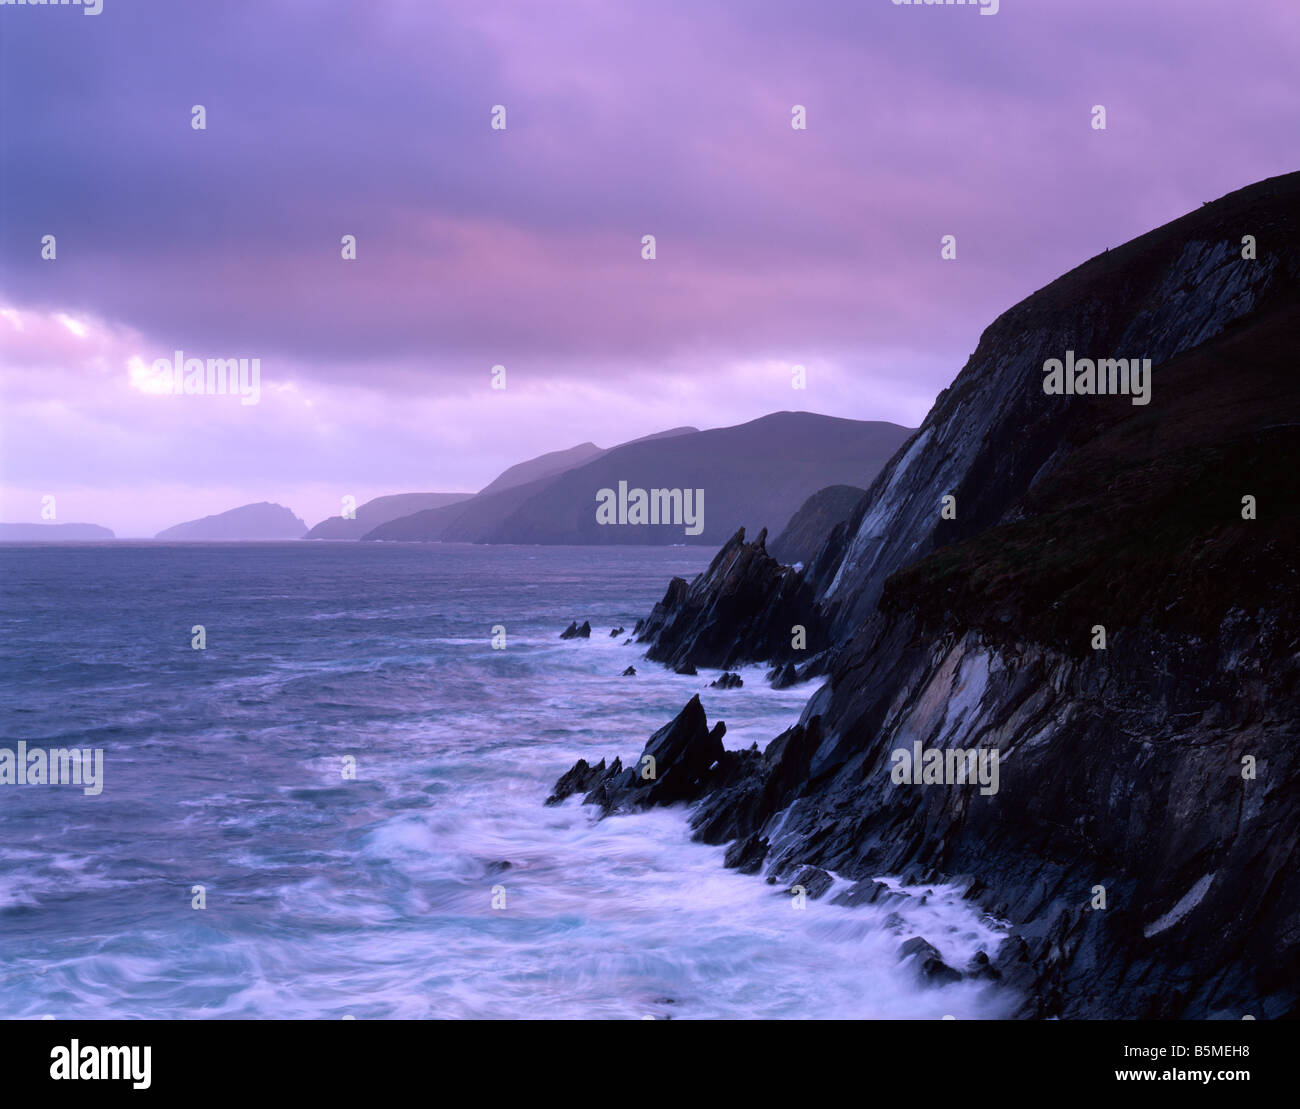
248,522
52,533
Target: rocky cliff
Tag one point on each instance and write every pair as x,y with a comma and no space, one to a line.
741,609
1105,616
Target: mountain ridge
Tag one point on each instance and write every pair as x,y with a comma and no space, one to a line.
745,483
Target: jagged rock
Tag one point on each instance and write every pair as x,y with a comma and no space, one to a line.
727,681
686,669
930,967
813,880
615,631
741,609
866,892
573,631
980,967
674,766
630,672
751,789
577,779
746,855
600,791
783,677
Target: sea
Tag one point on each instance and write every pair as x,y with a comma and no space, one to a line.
329,802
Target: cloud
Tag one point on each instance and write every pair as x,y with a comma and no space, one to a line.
478,247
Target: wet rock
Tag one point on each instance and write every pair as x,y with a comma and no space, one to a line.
615,631
930,967
813,880
783,677
747,855
675,765
741,609
727,681
574,631
577,779
630,672
685,668
980,966
866,892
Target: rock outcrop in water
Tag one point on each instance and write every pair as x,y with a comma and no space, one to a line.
53,533
676,764
1111,612
746,606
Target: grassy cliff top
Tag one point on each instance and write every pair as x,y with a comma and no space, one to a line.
1142,523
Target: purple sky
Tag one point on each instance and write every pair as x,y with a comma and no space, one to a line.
522,247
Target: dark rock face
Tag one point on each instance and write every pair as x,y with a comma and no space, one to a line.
981,966
746,855
577,779
930,966
812,881
994,433
751,789
630,672
783,677
727,681
1142,832
573,631
615,631
866,892
741,609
